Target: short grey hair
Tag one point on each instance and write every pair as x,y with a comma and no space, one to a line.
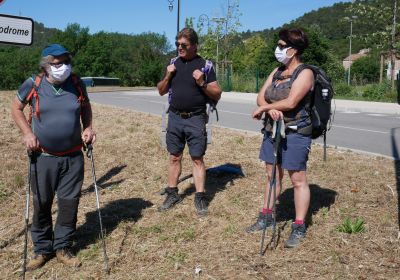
45,62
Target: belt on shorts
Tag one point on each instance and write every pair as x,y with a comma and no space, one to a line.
185,114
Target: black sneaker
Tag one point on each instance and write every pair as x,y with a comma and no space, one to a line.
200,202
172,198
263,221
297,234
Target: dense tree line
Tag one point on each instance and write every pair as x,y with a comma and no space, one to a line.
135,59
141,59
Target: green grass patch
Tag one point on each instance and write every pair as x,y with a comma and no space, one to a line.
178,257
90,253
144,231
349,226
3,192
230,230
19,181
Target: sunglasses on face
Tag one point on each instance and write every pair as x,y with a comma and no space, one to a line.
283,46
183,45
61,63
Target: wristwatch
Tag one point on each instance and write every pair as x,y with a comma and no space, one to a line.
204,85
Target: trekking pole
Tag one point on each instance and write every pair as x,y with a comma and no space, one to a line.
89,154
28,196
272,185
324,145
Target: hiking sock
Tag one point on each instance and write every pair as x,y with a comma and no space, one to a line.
298,222
266,211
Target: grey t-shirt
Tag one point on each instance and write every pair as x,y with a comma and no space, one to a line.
58,128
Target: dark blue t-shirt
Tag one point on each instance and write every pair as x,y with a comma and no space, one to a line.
59,128
186,94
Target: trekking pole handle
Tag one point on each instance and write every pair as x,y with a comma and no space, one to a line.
89,149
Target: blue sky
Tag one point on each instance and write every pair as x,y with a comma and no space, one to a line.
135,16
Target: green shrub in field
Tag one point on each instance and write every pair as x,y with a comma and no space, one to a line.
342,89
379,92
366,68
348,226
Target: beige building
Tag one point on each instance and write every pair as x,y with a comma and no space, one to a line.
385,63
353,57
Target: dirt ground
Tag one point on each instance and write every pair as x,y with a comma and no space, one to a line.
145,244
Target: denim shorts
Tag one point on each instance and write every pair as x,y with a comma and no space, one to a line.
190,130
292,153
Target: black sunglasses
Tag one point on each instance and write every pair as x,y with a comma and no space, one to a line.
183,45
283,46
59,64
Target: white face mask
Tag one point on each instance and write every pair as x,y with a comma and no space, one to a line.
62,73
281,55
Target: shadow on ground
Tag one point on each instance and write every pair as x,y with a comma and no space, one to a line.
113,213
218,179
102,181
320,198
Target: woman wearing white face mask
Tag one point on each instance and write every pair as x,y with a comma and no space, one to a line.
289,99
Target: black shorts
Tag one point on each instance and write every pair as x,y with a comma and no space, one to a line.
190,130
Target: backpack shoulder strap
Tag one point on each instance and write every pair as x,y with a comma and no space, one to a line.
278,73
37,80
298,70
34,94
207,67
78,86
172,61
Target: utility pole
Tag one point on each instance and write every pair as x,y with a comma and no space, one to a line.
350,37
392,49
219,21
179,11
171,7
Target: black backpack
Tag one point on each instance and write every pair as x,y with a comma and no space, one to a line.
321,99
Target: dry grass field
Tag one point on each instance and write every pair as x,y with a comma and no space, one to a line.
145,244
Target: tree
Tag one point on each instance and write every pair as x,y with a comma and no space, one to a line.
74,37
375,18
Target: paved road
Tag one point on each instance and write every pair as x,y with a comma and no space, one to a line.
371,132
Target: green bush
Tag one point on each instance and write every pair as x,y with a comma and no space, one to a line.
366,69
342,89
379,92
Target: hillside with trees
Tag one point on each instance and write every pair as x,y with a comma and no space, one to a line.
244,58
135,59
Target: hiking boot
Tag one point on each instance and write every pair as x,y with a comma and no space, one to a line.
38,261
200,202
297,234
172,198
263,221
65,256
